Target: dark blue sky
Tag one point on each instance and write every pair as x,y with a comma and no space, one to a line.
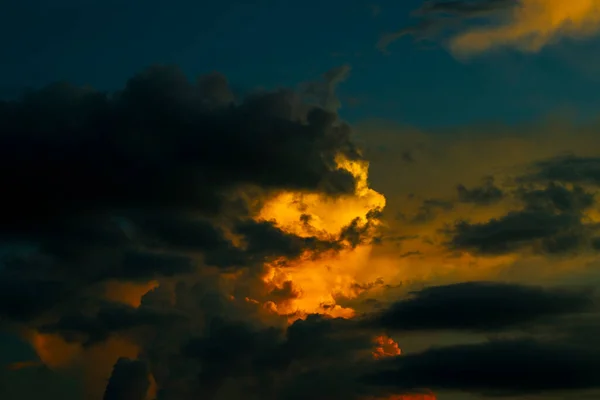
272,43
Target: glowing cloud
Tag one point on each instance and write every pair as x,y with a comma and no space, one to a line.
532,25
128,293
95,363
318,281
385,347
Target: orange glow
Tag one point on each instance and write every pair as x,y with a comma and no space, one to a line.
127,292
385,346
327,215
53,350
318,281
98,362
534,24
153,389
95,363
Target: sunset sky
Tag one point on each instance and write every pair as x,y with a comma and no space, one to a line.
277,200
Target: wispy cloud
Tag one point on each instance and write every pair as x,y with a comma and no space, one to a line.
477,26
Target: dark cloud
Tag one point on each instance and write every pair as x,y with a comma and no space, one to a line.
360,231
486,194
140,265
411,254
265,239
314,357
557,198
341,383
428,211
551,221
326,339
496,368
233,350
145,182
513,231
436,17
110,319
161,143
285,292
129,381
323,92
567,169
161,180
481,306
24,298
264,362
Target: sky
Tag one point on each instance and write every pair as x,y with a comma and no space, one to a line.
274,200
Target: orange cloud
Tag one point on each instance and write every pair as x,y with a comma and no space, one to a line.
53,351
98,362
385,346
94,363
532,25
319,281
128,292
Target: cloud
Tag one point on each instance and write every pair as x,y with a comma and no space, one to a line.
567,169
77,131
323,92
470,156
234,247
475,26
551,219
137,184
481,306
557,198
514,231
486,194
428,210
172,222
496,368
108,320
129,381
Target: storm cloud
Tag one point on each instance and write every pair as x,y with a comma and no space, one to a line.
136,184
496,368
482,306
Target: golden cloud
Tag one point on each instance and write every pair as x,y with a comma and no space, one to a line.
532,25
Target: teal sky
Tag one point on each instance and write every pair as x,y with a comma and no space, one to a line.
272,43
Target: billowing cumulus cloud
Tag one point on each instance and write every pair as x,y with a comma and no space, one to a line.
173,241
166,235
527,25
